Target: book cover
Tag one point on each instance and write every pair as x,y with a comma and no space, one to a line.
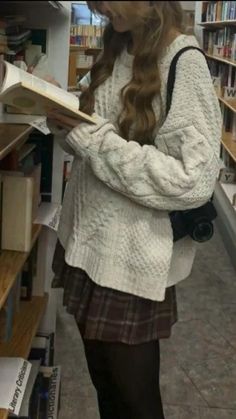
13,380
35,96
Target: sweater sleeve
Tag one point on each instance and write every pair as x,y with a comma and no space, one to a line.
181,174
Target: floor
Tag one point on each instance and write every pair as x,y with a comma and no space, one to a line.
198,372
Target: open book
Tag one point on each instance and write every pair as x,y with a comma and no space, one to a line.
35,96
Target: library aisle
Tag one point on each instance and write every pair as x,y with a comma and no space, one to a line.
198,375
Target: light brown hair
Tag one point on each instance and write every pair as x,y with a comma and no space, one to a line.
137,96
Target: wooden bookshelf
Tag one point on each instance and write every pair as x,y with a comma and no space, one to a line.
221,59
3,414
218,23
11,136
11,264
24,328
229,144
230,103
90,51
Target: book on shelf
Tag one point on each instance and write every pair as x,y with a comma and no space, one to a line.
89,36
224,80
36,96
43,349
42,393
220,42
13,381
9,311
29,273
214,11
17,227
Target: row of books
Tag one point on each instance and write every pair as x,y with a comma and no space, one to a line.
221,42
30,388
218,11
86,35
224,79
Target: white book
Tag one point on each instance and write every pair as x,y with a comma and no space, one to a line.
13,380
35,96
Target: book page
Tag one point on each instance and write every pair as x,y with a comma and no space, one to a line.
15,75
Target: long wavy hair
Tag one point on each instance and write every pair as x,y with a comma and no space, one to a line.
153,28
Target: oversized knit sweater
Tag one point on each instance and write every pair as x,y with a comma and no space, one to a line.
115,223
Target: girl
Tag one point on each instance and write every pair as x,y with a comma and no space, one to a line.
131,169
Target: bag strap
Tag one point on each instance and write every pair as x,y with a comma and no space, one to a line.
172,74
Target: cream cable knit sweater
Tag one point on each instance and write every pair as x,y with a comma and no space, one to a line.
115,222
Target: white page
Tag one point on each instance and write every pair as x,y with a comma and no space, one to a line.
15,75
13,380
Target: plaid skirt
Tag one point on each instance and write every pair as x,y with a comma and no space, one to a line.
110,315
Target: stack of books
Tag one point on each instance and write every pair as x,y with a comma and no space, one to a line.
13,37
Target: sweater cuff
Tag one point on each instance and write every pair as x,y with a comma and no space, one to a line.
83,137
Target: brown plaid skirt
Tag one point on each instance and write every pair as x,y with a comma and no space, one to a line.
110,315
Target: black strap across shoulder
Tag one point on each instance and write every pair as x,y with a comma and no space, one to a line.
172,74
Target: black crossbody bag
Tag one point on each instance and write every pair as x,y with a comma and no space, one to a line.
197,222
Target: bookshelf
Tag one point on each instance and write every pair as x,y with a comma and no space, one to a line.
11,136
215,25
218,23
27,323
39,313
3,414
229,144
221,59
85,42
11,264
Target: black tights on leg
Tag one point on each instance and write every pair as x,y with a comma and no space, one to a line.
126,378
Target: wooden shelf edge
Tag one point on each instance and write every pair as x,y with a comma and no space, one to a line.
229,144
223,60
83,48
25,328
3,414
11,263
17,138
216,23
231,104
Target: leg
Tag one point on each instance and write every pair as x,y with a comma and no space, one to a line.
100,376
135,374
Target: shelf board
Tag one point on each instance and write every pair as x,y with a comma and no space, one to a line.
24,328
11,264
218,23
74,47
3,414
12,135
230,103
221,59
229,190
229,144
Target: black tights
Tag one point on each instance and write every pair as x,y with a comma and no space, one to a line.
126,378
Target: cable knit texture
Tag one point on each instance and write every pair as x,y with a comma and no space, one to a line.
115,222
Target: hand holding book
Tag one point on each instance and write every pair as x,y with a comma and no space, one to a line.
35,96
62,121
